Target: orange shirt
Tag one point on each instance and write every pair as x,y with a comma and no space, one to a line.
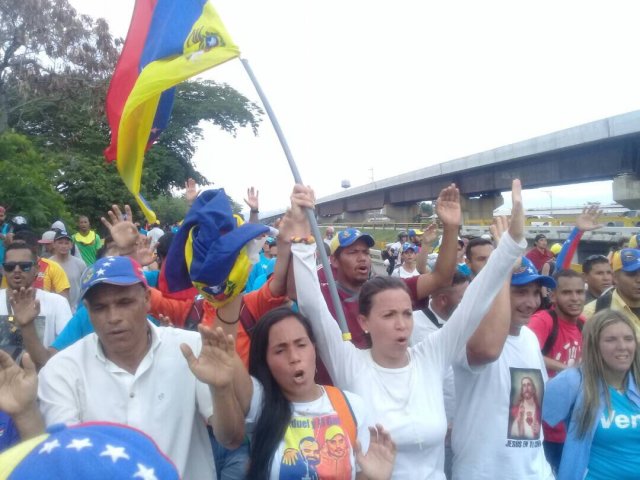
257,303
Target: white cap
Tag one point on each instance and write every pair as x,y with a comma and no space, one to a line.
58,225
47,237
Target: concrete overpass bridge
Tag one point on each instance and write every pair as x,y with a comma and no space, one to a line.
600,150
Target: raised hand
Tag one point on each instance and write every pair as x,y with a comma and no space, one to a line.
498,227
588,219
448,206
191,191
378,462
165,321
295,222
516,222
122,230
253,199
214,365
25,306
143,252
429,235
18,387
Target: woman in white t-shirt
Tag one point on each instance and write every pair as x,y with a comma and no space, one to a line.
404,385
407,268
298,429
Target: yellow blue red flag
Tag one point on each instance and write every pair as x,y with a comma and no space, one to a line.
168,42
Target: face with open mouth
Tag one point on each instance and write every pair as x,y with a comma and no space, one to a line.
353,263
291,358
390,322
617,346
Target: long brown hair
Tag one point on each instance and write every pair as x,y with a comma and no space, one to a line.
593,368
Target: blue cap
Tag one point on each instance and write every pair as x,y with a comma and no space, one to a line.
627,260
349,236
113,271
409,246
96,450
527,273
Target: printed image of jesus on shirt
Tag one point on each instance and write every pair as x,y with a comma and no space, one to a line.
526,404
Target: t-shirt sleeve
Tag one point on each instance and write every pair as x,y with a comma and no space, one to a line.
73,330
445,345
560,396
176,310
62,314
59,279
260,301
338,356
364,420
541,324
255,406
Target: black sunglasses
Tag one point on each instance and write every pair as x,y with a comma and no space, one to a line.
11,266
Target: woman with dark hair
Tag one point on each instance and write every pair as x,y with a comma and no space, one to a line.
300,430
402,384
599,403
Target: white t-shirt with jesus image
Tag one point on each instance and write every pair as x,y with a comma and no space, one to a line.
497,432
315,445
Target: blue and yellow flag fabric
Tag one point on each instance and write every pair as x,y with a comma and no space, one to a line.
168,42
210,250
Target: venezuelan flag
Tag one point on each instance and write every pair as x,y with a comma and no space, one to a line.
168,42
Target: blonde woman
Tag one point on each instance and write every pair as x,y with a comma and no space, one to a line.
599,403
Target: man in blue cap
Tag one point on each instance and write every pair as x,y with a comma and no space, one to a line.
131,372
502,400
625,297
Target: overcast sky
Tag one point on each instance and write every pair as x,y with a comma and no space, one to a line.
371,89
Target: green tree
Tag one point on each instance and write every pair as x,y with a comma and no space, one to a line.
48,51
26,188
169,209
54,71
168,163
426,209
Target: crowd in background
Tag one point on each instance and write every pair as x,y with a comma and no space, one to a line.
215,348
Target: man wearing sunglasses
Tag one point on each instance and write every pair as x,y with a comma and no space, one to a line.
28,315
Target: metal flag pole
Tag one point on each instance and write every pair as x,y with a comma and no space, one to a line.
333,290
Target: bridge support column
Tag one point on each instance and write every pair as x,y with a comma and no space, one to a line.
354,218
401,213
480,208
626,190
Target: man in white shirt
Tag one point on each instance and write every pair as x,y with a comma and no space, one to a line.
155,233
28,316
497,431
130,371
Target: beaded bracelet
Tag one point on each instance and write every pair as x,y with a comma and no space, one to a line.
224,321
310,240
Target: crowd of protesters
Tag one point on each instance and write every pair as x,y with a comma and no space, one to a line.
213,348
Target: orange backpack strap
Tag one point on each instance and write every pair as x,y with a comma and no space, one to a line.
342,406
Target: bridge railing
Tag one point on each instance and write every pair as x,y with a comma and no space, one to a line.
610,235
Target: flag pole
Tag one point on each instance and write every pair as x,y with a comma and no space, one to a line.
333,290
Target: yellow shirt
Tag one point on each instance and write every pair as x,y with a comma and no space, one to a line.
617,304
